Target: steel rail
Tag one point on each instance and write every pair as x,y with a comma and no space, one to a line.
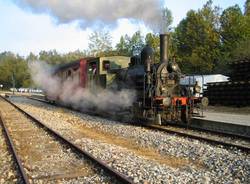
14,152
201,138
119,176
40,100
190,127
165,129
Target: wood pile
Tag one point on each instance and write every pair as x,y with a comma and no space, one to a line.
235,92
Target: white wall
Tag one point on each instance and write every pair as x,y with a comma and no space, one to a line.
202,80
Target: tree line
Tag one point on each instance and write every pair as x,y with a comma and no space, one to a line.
204,42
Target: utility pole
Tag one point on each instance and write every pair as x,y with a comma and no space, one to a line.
13,82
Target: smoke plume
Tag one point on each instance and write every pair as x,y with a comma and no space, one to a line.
97,11
71,94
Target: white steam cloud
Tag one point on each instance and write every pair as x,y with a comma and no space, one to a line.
70,93
98,11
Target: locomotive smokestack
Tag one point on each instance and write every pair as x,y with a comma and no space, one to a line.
164,38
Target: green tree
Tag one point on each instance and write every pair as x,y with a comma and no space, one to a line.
247,8
197,40
231,32
129,46
242,51
246,26
51,57
122,47
136,43
235,33
31,57
13,67
71,56
232,28
153,41
99,42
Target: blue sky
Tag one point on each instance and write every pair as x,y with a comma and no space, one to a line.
22,31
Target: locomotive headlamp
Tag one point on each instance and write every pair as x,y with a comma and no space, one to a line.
197,89
166,101
174,67
204,101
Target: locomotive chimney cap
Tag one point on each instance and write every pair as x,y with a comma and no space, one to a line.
146,53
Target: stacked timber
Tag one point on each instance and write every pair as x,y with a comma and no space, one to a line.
240,70
235,92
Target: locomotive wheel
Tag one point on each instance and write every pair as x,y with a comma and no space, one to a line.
204,101
185,115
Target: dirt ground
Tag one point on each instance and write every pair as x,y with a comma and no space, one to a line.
233,110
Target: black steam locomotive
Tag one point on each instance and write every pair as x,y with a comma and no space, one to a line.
159,96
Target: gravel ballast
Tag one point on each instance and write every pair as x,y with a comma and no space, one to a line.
197,161
45,159
8,167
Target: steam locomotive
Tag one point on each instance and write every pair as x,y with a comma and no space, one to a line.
159,97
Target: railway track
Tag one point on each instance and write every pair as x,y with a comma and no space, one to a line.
190,127
121,178
189,134
14,152
11,171
195,133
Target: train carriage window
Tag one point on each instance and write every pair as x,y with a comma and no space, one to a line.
105,65
92,68
69,73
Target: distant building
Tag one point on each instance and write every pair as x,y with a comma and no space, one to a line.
190,80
